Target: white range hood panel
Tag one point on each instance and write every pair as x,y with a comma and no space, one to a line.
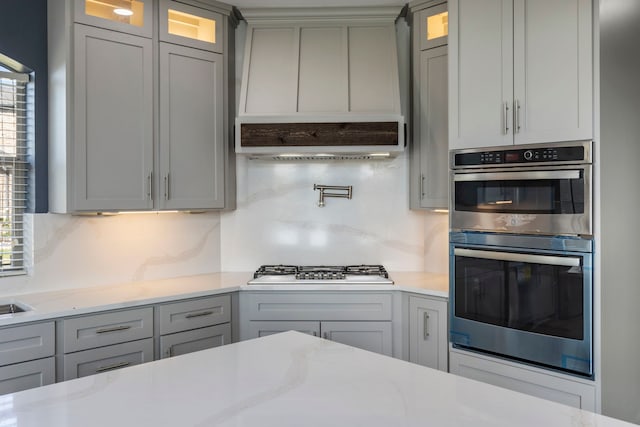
320,65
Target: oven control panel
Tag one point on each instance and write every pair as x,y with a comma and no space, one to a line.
515,156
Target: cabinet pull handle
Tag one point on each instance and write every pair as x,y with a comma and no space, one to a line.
114,329
112,367
325,335
202,313
315,334
425,327
506,118
516,113
150,186
166,187
422,186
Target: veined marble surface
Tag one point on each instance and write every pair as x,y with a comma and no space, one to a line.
49,305
288,379
83,251
278,220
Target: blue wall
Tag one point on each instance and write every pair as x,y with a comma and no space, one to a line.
23,37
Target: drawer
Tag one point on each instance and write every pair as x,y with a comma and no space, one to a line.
29,342
110,358
196,340
98,330
26,375
318,306
199,313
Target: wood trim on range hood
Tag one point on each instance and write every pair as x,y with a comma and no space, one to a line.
320,80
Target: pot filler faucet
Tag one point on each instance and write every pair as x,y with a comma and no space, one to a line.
325,191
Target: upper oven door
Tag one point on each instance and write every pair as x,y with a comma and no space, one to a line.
543,200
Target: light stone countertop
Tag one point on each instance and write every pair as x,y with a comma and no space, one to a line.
287,379
51,305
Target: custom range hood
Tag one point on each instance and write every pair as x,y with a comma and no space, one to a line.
320,83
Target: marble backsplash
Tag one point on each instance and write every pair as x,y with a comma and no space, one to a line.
80,251
278,219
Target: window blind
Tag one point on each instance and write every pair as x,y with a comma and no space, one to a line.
13,169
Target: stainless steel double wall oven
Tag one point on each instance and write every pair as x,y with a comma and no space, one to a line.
521,253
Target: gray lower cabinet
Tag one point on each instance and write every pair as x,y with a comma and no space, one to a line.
195,340
372,336
259,329
360,319
25,356
565,389
428,332
26,375
109,358
194,325
85,332
107,341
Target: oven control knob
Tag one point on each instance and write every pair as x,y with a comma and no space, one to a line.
528,155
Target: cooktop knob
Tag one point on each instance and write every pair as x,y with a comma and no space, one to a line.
528,155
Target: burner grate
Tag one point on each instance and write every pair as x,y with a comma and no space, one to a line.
321,272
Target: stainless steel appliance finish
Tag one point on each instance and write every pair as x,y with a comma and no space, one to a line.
527,298
10,309
313,275
530,189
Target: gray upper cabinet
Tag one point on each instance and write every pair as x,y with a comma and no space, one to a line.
191,128
429,146
521,72
113,121
134,127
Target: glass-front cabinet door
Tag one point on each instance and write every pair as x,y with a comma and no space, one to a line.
434,27
127,16
191,26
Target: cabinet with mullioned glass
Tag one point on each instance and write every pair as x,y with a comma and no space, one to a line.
122,140
429,143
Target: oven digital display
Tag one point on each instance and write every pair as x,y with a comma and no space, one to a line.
511,157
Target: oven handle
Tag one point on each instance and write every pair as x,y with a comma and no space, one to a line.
512,176
518,257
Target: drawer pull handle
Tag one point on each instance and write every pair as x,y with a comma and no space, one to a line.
115,329
112,367
202,313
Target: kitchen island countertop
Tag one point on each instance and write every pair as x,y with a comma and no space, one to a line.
71,302
287,379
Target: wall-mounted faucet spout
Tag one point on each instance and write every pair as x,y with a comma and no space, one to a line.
325,192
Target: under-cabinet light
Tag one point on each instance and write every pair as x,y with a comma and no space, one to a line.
123,12
289,155
147,212
380,154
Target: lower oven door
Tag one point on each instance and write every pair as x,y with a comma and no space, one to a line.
530,305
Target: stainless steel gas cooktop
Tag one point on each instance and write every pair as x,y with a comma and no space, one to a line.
321,274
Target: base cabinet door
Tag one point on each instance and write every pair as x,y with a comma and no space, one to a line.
109,358
259,329
372,336
428,332
195,340
572,391
26,375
